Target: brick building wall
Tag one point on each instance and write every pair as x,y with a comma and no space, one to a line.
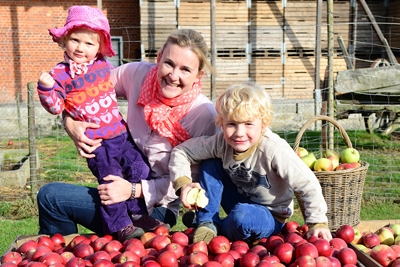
26,48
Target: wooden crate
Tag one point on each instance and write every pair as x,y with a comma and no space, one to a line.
158,13
267,72
229,71
266,13
266,37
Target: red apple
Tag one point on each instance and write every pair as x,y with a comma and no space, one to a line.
198,257
285,252
39,252
167,259
305,261
180,238
159,242
270,258
10,142
36,264
347,256
67,255
239,243
199,246
127,264
250,259
345,232
370,239
226,259
99,243
58,239
11,256
98,255
290,227
338,243
212,264
76,262
265,264
176,248
260,250
322,261
147,238
240,249
273,242
75,241
83,250
219,244
45,240
383,254
138,249
334,261
302,229
396,249
161,230
323,247
126,256
27,245
113,245
395,263
293,238
307,249
236,255
51,258
103,263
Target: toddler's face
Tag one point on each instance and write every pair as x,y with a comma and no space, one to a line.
82,45
242,135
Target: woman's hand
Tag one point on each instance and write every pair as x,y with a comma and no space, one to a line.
184,191
117,190
76,130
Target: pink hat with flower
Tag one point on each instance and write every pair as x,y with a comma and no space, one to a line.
89,17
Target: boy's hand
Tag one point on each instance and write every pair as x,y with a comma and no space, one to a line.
320,232
184,192
46,80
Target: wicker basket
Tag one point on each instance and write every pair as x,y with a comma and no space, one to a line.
342,189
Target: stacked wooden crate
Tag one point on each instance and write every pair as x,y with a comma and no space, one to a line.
266,37
158,18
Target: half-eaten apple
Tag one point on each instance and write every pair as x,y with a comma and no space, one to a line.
197,197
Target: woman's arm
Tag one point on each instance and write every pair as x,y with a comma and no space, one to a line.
76,130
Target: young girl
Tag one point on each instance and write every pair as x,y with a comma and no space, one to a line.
253,173
81,87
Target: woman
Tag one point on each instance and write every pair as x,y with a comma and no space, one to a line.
165,108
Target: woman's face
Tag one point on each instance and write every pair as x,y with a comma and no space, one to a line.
178,70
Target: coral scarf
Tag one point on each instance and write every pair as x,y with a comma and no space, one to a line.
164,114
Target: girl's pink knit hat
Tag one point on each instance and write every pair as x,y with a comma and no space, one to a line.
86,16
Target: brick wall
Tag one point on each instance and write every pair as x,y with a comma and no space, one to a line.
26,48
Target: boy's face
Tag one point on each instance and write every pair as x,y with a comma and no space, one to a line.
242,135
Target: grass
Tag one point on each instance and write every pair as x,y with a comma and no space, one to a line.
59,162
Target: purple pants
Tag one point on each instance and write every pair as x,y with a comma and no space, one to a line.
119,156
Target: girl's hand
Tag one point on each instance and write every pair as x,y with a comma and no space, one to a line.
184,191
46,80
76,130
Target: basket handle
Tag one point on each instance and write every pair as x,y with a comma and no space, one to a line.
324,118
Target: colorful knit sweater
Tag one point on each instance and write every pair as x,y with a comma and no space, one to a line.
88,97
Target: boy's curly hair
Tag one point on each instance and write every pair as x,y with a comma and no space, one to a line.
244,102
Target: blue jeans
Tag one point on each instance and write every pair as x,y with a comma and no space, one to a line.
62,206
245,219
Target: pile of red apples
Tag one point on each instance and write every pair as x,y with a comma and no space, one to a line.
163,248
383,245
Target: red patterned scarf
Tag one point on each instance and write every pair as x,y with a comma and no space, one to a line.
164,114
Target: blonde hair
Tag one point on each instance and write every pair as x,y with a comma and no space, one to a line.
101,39
244,102
193,40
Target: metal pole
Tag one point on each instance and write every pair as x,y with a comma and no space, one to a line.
32,140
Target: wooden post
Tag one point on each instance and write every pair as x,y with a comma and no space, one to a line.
213,48
330,72
32,140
